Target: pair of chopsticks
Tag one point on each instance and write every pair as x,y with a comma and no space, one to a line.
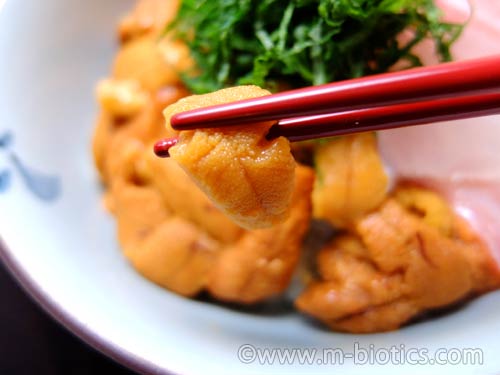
418,96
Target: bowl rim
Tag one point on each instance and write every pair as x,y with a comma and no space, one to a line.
70,323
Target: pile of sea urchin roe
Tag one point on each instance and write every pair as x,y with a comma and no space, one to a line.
400,253
168,229
395,254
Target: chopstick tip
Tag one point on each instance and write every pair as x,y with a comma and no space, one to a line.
162,147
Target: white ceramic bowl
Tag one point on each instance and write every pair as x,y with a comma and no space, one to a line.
60,243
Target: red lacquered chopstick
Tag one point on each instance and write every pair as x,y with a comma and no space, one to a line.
413,97
377,118
439,81
387,117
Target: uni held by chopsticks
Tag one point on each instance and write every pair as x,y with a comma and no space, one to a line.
418,96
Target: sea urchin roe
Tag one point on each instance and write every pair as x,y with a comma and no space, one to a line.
428,205
351,180
143,60
148,17
395,266
247,176
121,98
261,263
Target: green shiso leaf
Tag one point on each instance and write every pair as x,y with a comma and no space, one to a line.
304,42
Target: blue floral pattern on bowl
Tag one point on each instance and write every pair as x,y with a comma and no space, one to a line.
43,186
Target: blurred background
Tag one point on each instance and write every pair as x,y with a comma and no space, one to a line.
32,343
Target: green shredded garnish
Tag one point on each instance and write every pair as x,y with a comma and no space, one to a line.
304,42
